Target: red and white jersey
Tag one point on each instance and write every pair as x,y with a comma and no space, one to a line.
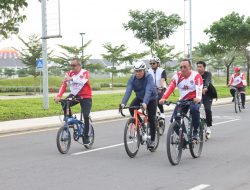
80,84
238,80
189,87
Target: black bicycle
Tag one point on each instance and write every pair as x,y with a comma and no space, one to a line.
63,139
237,100
180,134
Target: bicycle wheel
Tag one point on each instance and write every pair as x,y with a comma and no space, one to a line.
239,102
195,146
157,140
63,140
131,138
174,143
236,102
91,137
161,126
204,128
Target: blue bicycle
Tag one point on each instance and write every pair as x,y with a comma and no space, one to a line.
63,139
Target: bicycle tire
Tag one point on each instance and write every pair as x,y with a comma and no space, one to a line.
91,137
66,140
157,140
178,144
196,146
161,126
239,101
133,133
236,102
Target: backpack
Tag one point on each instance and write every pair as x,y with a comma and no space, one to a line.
211,91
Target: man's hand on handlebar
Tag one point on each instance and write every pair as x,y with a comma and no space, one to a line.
161,101
57,99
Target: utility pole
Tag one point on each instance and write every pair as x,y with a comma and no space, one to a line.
45,56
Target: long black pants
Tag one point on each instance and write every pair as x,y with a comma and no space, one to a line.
207,102
151,108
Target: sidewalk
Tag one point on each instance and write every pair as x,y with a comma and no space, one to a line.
54,121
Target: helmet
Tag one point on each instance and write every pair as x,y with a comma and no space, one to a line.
236,69
139,65
154,59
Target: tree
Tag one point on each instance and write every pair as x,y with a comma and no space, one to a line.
116,55
94,67
143,25
9,72
231,33
69,53
30,54
22,72
10,16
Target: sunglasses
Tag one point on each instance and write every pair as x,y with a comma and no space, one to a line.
73,65
152,63
183,67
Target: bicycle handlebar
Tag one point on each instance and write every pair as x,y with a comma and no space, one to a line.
70,99
179,102
127,107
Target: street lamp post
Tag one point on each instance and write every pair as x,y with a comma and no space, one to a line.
82,33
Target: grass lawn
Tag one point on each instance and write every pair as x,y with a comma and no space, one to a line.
32,107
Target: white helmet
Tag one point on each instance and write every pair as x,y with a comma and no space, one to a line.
154,59
139,65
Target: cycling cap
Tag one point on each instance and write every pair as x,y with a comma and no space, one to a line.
236,69
139,65
154,60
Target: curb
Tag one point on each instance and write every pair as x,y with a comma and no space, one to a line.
44,123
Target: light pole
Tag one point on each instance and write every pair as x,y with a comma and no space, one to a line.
82,33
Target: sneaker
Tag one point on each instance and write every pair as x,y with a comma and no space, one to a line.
243,106
233,100
151,144
162,116
208,131
86,140
195,135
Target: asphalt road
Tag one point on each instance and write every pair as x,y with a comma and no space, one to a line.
32,161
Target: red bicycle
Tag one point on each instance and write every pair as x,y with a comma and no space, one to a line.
136,132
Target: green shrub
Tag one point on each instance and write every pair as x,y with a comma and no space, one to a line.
96,86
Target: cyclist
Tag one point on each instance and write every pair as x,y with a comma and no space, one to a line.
190,86
238,80
142,84
207,100
78,81
159,76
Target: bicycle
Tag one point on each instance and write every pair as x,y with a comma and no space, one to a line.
161,122
237,99
180,135
63,139
203,122
136,133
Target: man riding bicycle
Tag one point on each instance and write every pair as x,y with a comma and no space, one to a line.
159,76
142,84
78,81
238,80
190,86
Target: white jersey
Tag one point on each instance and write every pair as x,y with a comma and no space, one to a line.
157,76
77,83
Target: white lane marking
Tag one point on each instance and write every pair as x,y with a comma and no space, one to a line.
199,187
97,149
226,121
121,144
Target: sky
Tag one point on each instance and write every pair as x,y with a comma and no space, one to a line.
101,21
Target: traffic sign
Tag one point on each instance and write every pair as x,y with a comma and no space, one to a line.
39,63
